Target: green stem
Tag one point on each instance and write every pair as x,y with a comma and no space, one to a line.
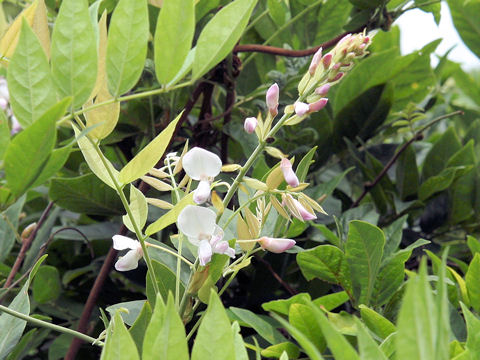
178,256
48,325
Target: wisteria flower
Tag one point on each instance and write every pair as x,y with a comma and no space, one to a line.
296,207
130,260
201,165
288,173
272,96
250,124
276,245
198,224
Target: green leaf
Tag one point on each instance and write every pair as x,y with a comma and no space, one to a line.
74,52
4,134
30,83
465,18
473,245
283,306
441,151
368,348
240,350
95,159
171,216
473,329
220,35
173,37
263,328
330,19
473,285
127,45
367,4
138,208
376,322
165,280
21,167
277,350
441,181
331,301
214,338
407,174
304,164
139,327
133,309
302,317
8,225
363,252
433,8
85,194
119,345
46,284
55,162
165,337
146,159
11,328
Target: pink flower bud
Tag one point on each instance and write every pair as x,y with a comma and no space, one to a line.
318,105
315,61
336,77
305,214
272,99
250,124
327,59
289,175
301,108
366,40
345,38
323,90
276,245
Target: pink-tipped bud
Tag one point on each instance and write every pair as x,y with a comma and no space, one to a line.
327,60
345,38
315,61
301,108
366,40
323,90
288,173
304,213
336,66
276,245
336,77
318,105
250,124
272,99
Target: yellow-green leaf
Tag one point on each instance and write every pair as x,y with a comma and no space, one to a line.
138,208
170,217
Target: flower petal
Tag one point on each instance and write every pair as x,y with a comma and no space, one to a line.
204,252
288,174
196,221
129,261
202,192
121,242
223,248
276,245
200,164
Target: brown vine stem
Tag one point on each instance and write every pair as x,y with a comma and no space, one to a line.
26,245
368,186
112,254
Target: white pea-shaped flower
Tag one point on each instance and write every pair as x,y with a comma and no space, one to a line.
130,260
199,225
201,165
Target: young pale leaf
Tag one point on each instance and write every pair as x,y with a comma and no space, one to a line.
139,209
165,337
146,159
74,52
32,91
40,26
95,159
363,252
376,322
215,337
171,216
127,45
220,35
27,153
119,345
173,37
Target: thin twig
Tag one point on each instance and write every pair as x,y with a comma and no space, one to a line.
276,276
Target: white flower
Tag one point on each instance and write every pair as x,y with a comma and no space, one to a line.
301,108
201,165
250,124
198,224
131,258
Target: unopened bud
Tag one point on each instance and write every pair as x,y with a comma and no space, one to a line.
272,99
323,90
318,105
327,60
28,231
250,124
315,61
301,108
288,173
276,245
336,77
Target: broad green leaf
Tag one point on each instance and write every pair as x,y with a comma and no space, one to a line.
407,174
119,345
139,327
279,11
165,337
9,219
330,19
436,159
368,348
11,328
30,83
302,317
74,52
55,162
173,37
97,162
220,35
275,351
133,309
376,322
367,4
473,329
21,167
473,285
166,280
127,45
441,181
46,284
465,18
214,338
331,301
363,253
171,216
429,7
393,235
336,342
138,208
85,194
146,159
283,306
308,347
473,245
263,328
240,349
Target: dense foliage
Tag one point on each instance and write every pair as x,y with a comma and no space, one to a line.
320,134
